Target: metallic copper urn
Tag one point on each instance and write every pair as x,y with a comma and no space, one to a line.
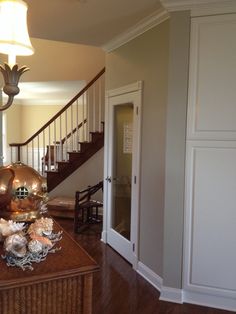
22,192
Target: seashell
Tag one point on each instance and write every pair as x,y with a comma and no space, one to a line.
10,227
16,244
35,246
42,226
43,240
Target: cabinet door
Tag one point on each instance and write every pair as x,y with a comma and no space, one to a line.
210,192
212,80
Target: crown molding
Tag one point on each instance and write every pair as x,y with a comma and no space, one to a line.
141,27
200,7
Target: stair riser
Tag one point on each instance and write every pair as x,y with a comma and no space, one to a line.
96,136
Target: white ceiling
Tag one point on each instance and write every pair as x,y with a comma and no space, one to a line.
89,22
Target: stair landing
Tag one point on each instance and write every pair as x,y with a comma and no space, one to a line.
62,207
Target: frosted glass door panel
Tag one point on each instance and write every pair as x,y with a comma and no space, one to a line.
122,169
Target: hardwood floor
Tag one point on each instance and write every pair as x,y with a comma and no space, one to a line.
118,289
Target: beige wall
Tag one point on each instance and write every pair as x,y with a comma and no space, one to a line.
14,124
24,121
175,148
146,58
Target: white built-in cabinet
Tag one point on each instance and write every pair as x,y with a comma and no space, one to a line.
210,195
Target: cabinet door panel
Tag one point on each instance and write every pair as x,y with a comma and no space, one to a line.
212,92
211,200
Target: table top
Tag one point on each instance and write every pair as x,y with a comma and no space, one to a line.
72,260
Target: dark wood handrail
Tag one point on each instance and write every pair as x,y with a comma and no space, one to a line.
61,111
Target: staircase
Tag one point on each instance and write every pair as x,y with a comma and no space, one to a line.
69,138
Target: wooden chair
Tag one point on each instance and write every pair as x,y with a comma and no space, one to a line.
86,208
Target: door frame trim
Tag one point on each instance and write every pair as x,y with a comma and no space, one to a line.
131,93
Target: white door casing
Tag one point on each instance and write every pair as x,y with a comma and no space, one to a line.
132,94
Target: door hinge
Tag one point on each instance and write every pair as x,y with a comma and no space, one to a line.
133,247
135,179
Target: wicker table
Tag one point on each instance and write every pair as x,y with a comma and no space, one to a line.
62,284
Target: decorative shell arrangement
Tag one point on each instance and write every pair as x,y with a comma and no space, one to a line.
9,227
35,246
23,247
41,227
16,245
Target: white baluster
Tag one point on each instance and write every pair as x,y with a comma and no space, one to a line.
27,154
61,144
94,107
83,117
32,153
43,161
55,145
66,146
77,125
88,115
49,148
71,123
99,104
38,155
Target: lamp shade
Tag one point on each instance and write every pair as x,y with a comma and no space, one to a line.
14,37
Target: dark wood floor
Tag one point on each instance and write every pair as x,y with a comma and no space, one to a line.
118,289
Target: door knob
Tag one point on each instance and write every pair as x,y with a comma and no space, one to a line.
108,179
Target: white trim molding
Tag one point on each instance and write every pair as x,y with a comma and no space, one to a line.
155,280
131,93
180,296
205,299
133,87
104,236
200,7
171,295
141,27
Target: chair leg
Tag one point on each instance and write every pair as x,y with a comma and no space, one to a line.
76,221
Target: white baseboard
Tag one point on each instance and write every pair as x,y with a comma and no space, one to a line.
215,301
104,236
150,276
171,295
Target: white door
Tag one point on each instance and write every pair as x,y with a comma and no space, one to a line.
122,170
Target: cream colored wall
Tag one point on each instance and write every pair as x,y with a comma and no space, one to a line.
146,58
14,124
59,61
34,117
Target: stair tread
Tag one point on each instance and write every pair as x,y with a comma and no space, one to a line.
52,171
97,132
79,152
